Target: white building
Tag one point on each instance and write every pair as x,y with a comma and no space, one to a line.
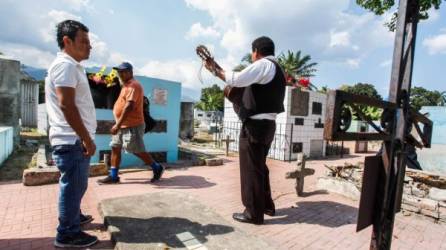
207,117
299,129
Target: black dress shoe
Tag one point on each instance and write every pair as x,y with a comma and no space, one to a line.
270,212
242,217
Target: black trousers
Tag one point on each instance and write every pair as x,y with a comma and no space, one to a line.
255,141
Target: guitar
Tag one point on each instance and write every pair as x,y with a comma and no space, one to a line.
233,94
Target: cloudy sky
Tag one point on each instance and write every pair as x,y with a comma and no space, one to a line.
159,37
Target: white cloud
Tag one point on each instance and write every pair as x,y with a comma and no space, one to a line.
339,39
48,32
28,55
385,63
353,62
434,15
184,71
436,44
188,72
77,4
197,30
325,29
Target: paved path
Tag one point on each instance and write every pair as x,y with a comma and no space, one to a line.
28,215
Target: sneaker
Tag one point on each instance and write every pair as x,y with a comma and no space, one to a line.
78,240
157,173
85,218
108,180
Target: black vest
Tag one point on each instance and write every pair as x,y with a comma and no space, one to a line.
264,98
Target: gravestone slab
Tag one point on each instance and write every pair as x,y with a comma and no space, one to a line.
299,102
170,220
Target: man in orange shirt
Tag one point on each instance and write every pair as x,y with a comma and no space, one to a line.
128,132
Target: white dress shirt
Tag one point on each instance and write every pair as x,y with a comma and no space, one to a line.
67,72
261,71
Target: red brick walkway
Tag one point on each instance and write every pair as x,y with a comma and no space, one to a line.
28,215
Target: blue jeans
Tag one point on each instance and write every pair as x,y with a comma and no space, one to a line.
74,170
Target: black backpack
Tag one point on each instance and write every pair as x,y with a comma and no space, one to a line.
148,119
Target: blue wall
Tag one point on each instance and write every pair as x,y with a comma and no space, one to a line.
438,116
434,159
6,143
154,142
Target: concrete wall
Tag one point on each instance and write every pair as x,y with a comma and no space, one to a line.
187,120
434,159
6,143
10,96
29,99
42,119
154,142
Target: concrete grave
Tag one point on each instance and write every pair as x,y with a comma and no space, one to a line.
169,220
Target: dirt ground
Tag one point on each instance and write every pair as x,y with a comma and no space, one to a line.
21,158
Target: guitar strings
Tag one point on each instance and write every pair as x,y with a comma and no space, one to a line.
199,73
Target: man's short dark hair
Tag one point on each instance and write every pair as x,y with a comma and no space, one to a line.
68,28
264,45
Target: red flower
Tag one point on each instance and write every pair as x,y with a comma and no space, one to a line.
304,82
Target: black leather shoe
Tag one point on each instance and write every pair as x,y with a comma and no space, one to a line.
241,217
270,212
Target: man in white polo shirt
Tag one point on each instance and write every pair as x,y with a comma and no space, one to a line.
72,122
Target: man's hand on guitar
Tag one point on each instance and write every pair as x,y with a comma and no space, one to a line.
209,62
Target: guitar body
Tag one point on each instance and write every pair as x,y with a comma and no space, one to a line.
234,95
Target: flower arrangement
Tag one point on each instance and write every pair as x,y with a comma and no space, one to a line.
303,82
100,77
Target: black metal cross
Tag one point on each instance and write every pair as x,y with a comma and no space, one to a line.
383,178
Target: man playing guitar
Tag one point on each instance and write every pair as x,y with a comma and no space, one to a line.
257,93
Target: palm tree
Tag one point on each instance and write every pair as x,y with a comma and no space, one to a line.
297,66
442,99
246,60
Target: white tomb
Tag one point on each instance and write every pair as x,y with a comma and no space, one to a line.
299,129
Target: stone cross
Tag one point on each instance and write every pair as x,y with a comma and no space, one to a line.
299,174
227,141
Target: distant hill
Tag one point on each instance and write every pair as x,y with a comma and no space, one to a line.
36,73
40,74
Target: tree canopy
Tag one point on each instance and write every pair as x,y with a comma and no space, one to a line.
362,89
420,96
293,63
212,99
246,60
379,7
296,64
367,90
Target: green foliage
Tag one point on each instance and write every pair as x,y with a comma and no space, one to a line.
362,89
367,90
379,7
420,96
1,53
294,64
323,90
211,99
297,65
246,60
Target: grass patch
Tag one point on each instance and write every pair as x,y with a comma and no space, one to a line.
21,159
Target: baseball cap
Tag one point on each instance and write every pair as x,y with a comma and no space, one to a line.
124,66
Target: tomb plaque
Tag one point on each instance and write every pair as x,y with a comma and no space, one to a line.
297,147
299,102
160,96
299,121
317,108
